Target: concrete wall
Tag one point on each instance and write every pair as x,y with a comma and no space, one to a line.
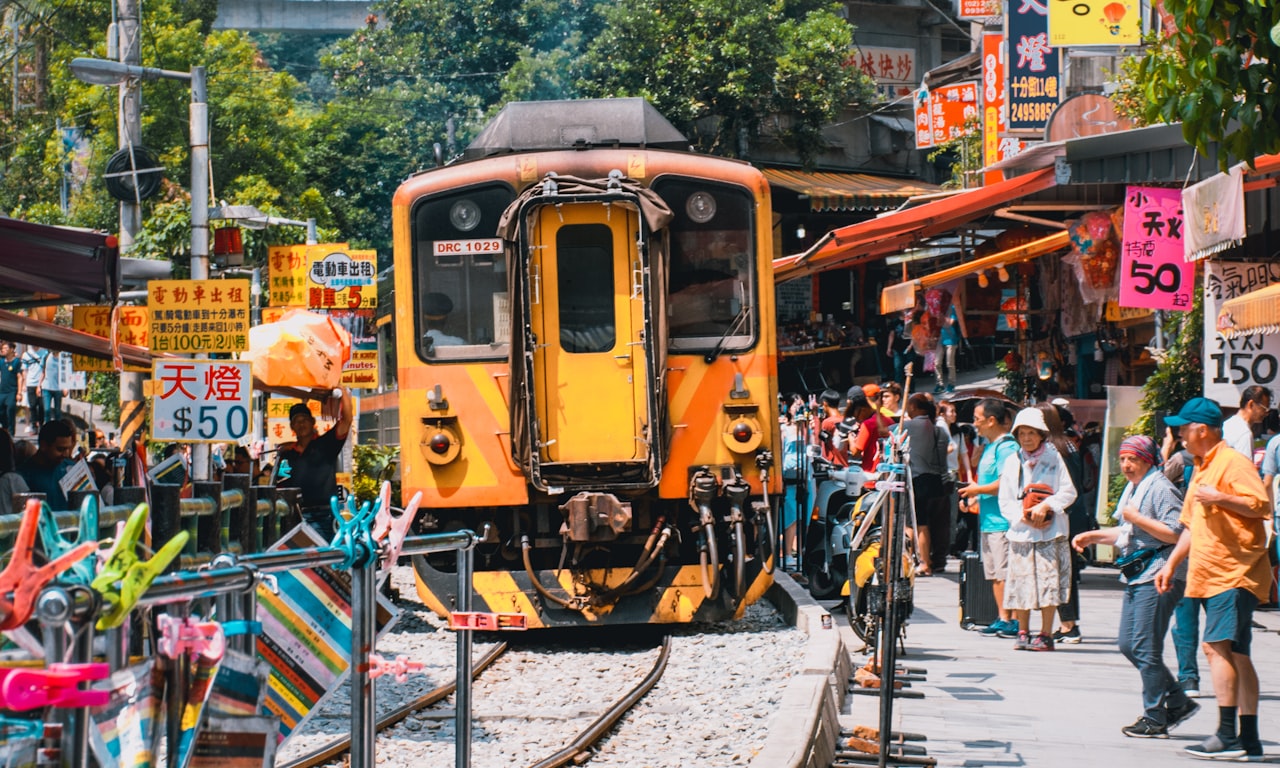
292,15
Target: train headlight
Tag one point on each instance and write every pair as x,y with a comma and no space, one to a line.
701,207
743,434
440,444
464,215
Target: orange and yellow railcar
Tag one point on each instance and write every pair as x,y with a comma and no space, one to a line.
587,368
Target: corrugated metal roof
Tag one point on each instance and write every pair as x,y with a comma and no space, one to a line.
830,191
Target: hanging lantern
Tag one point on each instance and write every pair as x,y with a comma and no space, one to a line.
228,248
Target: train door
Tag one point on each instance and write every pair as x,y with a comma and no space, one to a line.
587,304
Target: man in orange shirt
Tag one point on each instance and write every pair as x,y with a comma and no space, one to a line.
1228,573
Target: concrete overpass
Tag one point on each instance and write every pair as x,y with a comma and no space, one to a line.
292,15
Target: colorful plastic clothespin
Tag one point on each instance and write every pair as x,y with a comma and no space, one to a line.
23,578
391,531
55,545
355,534
180,636
890,485
12,729
133,574
401,667
56,686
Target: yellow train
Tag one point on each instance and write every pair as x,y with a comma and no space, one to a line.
588,368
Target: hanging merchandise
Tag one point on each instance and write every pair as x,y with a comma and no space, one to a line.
1095,254
125,730
302,349
1015,307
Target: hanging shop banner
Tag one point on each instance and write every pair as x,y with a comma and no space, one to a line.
306,634
133,326
996,146
1231,365
339,278
1153,272
200,401
199,316
1095,22
1215,214
892,69
950,109
361,371
1033,67
924,135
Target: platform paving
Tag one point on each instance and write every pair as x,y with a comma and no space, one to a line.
987,705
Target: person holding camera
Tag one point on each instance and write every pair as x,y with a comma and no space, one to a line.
1150,506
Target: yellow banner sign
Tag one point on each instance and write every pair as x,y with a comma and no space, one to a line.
199,316
132,327
1095,22
1114,313
339,278
287,276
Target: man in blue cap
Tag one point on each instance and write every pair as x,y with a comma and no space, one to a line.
1228,572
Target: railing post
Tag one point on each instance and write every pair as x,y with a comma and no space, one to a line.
462,698
166,518
213,531
268,524
244,518
364,612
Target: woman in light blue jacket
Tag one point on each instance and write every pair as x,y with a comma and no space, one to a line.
1039,575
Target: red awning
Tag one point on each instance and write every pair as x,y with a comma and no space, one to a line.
42,264
896,231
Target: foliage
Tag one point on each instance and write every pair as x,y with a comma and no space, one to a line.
374,464
964,152
1219,78
719,68
1179,375
104,391
1015,383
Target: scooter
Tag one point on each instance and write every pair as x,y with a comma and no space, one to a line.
835,491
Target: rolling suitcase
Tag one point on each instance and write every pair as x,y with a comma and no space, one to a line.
977,602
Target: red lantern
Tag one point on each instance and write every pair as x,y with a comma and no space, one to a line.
228,248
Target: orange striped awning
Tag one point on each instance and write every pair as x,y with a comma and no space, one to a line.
1254,312
830,191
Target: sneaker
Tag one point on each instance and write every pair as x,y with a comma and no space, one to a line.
1041,642
1191,688
1145,728
1023,642
1252,754
951,388
1070,637
939,389
1000,628
1009,631
1179,715
1214,748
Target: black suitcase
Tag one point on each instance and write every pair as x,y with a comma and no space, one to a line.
977,601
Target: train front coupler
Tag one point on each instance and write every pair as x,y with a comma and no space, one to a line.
703,489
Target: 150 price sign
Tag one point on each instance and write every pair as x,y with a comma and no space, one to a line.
1231,365
200,401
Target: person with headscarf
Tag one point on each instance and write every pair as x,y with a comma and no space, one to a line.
1150,506
1039,572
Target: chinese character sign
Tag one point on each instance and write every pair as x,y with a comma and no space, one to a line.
198,316
924,136
287,275
893,69
1032,64
200,401
1231,365
1153,272
133,326
948,109
993,98
1095,22
976,10
339,278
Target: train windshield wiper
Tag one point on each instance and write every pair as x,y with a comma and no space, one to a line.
734,326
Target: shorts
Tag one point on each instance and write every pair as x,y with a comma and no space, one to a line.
1039,574
1229,616
995,555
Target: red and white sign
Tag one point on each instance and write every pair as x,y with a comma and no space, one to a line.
492,246
200,401
487,622
980,9
1153,272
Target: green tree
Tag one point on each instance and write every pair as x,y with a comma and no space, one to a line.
1216,74
719,68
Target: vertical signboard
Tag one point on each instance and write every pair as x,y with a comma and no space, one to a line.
1033,66
1095,22
1231,365
924,136
1153,272
993,101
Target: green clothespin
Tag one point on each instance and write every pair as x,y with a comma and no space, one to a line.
355,534
134,575
55,544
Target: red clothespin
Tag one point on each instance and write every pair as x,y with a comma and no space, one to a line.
23,579
56,686
401,667
187,636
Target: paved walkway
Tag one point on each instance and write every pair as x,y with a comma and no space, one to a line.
987,705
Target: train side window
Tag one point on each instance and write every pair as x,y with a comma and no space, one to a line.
711,276
584,267
460,302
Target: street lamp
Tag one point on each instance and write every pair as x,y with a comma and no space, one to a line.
105,72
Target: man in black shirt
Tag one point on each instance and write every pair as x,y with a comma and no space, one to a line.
311,463
10,384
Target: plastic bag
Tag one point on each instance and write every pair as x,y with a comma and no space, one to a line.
302,349
1095,254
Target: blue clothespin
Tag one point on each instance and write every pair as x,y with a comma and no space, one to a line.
896,469
12,729
355,534
56,545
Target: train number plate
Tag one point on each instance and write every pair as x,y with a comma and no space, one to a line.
488,622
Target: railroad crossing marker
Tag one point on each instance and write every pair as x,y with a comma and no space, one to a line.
487,622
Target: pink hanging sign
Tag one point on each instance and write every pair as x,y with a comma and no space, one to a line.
1153,271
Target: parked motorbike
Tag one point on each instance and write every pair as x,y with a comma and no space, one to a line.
834,491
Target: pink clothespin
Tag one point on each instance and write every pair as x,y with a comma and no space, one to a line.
56,686
391,531
401,667
188,636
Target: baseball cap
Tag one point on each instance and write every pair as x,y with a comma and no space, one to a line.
1197,410
871,389
299,408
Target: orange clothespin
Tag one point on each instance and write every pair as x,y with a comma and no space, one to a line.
23,579
57,686
180,636
401,667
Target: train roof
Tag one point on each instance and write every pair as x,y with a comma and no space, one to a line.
530,126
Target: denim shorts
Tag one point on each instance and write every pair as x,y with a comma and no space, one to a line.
1229,616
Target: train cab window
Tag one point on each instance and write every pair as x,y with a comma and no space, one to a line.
584,267
460,302
711,276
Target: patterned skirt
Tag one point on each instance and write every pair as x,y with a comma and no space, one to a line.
1039,574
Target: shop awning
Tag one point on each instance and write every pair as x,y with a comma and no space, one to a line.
898,230
28,330
1254,312
829,191
44,265
1026,252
